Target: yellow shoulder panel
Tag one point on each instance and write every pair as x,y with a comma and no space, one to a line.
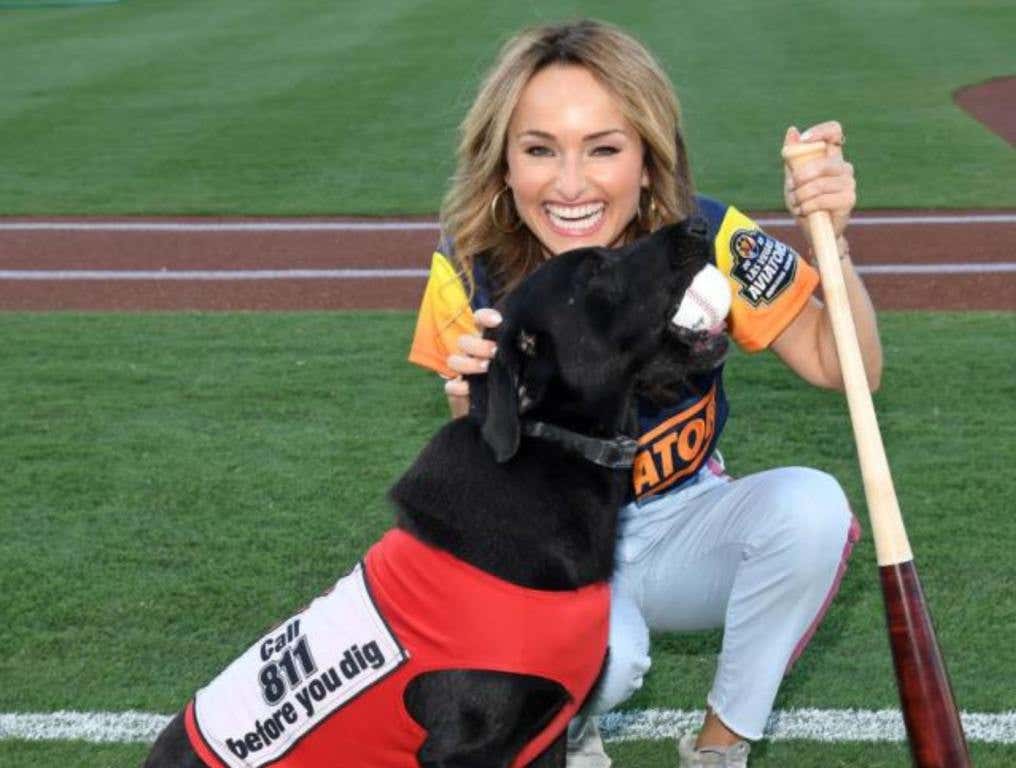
769,282
444,315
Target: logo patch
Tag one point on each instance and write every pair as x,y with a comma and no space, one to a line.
294,677
762,266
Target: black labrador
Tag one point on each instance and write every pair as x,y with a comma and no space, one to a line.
521,494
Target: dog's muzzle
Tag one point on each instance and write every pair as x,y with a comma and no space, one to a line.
707,349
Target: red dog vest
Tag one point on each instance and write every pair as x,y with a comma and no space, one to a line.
308,695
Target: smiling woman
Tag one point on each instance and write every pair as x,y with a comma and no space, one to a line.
575,141
603,121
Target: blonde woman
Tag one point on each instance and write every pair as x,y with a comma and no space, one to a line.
575,140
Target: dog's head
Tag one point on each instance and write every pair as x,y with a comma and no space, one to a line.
587,329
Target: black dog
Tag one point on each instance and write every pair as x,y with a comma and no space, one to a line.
503,547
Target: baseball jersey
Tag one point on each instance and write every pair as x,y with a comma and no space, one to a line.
769,284
326,688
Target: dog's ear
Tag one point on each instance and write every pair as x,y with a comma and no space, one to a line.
516,383
693,234
687,241
501,421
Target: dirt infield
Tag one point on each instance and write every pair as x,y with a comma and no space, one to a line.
963,261
993,104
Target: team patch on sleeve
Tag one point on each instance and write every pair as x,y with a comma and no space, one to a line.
770,280
294,677
763,266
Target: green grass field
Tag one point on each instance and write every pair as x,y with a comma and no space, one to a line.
171,485
256,106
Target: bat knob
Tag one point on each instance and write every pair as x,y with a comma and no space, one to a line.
795,155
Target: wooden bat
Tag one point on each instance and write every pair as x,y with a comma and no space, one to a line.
929,711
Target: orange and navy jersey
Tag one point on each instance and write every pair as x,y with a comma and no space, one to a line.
769,285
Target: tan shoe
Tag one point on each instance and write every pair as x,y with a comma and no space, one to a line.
585,747
734,756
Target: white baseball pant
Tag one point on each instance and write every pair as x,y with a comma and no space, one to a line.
760,556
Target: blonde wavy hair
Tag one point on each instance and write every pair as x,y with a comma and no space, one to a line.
645,96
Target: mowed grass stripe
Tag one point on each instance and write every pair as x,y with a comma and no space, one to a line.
253,106
844,725
630,754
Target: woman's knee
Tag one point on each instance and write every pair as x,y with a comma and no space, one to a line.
627,665
628,659
809,517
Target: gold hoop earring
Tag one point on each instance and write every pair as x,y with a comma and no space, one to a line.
646,219
498,225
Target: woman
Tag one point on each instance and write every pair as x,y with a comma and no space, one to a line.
575,140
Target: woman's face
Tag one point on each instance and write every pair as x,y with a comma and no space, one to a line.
575,164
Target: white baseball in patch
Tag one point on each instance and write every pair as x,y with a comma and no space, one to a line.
706,302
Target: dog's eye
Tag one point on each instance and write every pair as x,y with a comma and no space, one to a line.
526,343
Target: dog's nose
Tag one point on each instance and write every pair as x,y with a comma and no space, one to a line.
706,302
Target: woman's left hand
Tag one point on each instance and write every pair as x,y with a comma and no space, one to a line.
823,184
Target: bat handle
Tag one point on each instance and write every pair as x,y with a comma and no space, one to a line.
888,531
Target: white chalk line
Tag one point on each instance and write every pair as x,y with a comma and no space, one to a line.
981,268
296,225
210,274
217,226
387,274
826,725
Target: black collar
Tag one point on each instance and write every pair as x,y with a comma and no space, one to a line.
616,453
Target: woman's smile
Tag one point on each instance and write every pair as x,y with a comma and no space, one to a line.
575,220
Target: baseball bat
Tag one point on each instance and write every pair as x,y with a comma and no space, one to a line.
929,710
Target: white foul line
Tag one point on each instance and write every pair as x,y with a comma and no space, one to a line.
936,269
210,274
861,220
217,226
299,225
95,727
387,274
827,725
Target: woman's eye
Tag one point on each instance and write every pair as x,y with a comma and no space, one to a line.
606,150
538,151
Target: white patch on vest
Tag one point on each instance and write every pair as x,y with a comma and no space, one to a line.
295,676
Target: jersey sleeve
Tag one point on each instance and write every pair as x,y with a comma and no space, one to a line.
444,315
769,282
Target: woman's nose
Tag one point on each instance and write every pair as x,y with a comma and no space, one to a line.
571,178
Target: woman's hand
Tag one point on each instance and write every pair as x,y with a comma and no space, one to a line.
807,345
825,184
474,356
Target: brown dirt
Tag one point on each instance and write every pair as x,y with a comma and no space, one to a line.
20,250
992,103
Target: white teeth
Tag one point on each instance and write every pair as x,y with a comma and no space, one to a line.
573,212
575,217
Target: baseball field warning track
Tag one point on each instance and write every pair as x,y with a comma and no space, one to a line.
953,260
